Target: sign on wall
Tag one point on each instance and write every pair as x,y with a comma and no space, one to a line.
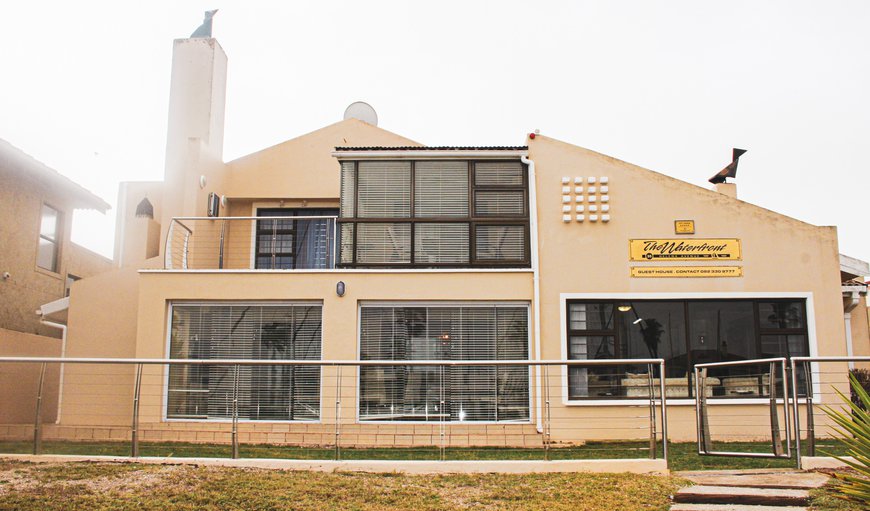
726,249
684,227
686,271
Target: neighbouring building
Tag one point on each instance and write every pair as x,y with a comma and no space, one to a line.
355,243
38,265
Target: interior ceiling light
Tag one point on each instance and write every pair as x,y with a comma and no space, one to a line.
624,308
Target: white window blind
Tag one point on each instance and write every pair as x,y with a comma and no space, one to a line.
383,243
509,173
471,393
441,243
346,234
348,189
243,331
500,242
500,203
441,189
384,189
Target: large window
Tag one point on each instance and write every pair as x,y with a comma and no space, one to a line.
294,243
245,331
49,239
684,333
434,214
468,393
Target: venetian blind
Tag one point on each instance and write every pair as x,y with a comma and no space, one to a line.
384,189
499,203
471,393
500,242
244,331
509,173
383,243
441,243
441,189
348,189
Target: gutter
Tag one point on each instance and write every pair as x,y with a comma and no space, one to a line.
536,303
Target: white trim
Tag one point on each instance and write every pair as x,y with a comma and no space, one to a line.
349,270
563,329
678,401
374,303
429,155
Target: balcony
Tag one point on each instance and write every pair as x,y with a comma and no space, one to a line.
251,243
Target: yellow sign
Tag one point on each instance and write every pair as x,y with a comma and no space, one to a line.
686,271
684,226
684,250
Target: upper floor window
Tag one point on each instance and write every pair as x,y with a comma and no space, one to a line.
444,213
49,239
303,240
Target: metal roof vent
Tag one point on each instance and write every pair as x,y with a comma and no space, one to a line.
145,209
362,111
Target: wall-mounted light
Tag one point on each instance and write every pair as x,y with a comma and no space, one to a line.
340,288
624,308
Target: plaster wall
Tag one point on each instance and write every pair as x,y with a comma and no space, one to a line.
20,382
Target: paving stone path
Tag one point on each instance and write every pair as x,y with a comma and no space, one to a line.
747,490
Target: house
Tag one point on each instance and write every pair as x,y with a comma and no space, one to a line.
38,265
354,243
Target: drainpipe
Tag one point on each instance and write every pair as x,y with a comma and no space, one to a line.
851,299
536,303
62,328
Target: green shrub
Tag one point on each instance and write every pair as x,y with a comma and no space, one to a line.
863,377
854,433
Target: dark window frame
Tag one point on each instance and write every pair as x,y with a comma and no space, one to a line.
297,215
473,220
614,333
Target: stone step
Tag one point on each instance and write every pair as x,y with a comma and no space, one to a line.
782,480
731,507
742,496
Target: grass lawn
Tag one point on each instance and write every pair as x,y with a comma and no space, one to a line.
683,456
114,486
131,486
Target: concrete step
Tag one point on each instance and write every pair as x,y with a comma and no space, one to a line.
731,507
742,496
783,480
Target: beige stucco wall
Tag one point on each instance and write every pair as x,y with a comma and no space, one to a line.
20,382
780,255
303,167
21,200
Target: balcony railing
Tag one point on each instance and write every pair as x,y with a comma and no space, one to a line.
261,243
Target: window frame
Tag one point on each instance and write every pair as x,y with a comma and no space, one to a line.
532,390
56,242
164,406
809,331
472,220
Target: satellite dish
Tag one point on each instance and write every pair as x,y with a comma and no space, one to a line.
362,111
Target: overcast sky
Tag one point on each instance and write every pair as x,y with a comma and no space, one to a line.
671,86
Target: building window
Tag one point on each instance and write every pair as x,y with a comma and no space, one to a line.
295,243
683,333
70,278
470,393
49,239
434,214
245,331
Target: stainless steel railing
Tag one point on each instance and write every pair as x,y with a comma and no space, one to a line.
101,381
264,242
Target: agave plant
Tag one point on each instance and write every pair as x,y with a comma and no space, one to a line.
854,433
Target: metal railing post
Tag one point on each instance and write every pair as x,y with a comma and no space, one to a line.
221,245
134,430
811,421
652,412
234,436
704,419
547,424
663,397
774,415
785,415
37,422
442,411
338,413
796,413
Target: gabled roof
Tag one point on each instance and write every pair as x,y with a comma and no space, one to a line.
16,160
434,148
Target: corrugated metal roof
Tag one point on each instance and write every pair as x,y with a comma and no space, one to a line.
435,148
